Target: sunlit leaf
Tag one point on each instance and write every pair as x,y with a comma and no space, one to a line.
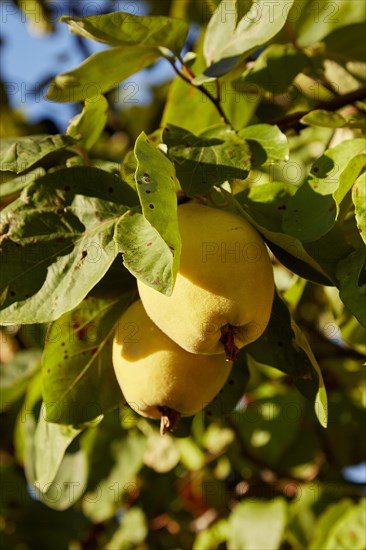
100,73
267,143
127,29
57,242
351,273
20,153
359,200
89,124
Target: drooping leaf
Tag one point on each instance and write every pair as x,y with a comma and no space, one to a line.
89,124
314,208
51,442
284,347
351,273
127,29
276,68
79,382
57,242
209,159
267,143
359,200
247,520
256,27
100,73
15,375
20,153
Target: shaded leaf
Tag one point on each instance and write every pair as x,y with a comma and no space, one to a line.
276,68
264,206
100,73
89,124
351,273
314,208
359,200
126,29
234,389
51,442
209,159
57,242
247,520
284,347
15,375
79,382
20,153
267,143
347,44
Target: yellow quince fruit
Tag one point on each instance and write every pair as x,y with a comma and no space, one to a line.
223,294
158,378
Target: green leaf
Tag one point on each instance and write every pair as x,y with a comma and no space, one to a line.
18,183
347,44
325,119
209,159
247,520
359,200
20,153
266,142
79,382
313,210
132,531
212,536
126,29
234,389
51,442
227,40
264,206
57,239
89,124
275,68
312,20
341,526
351,273
150,242
69,483
145,254
100,73
283,346
15,375
102,503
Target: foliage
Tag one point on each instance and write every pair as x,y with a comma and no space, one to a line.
266,118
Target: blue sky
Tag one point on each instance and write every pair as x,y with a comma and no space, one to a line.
29,59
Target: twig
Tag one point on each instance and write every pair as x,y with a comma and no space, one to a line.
293,120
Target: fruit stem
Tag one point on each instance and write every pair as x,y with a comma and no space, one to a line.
169,419
227,339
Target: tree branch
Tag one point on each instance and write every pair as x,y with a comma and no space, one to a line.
293,120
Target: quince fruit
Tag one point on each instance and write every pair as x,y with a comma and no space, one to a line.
158,378
223,294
